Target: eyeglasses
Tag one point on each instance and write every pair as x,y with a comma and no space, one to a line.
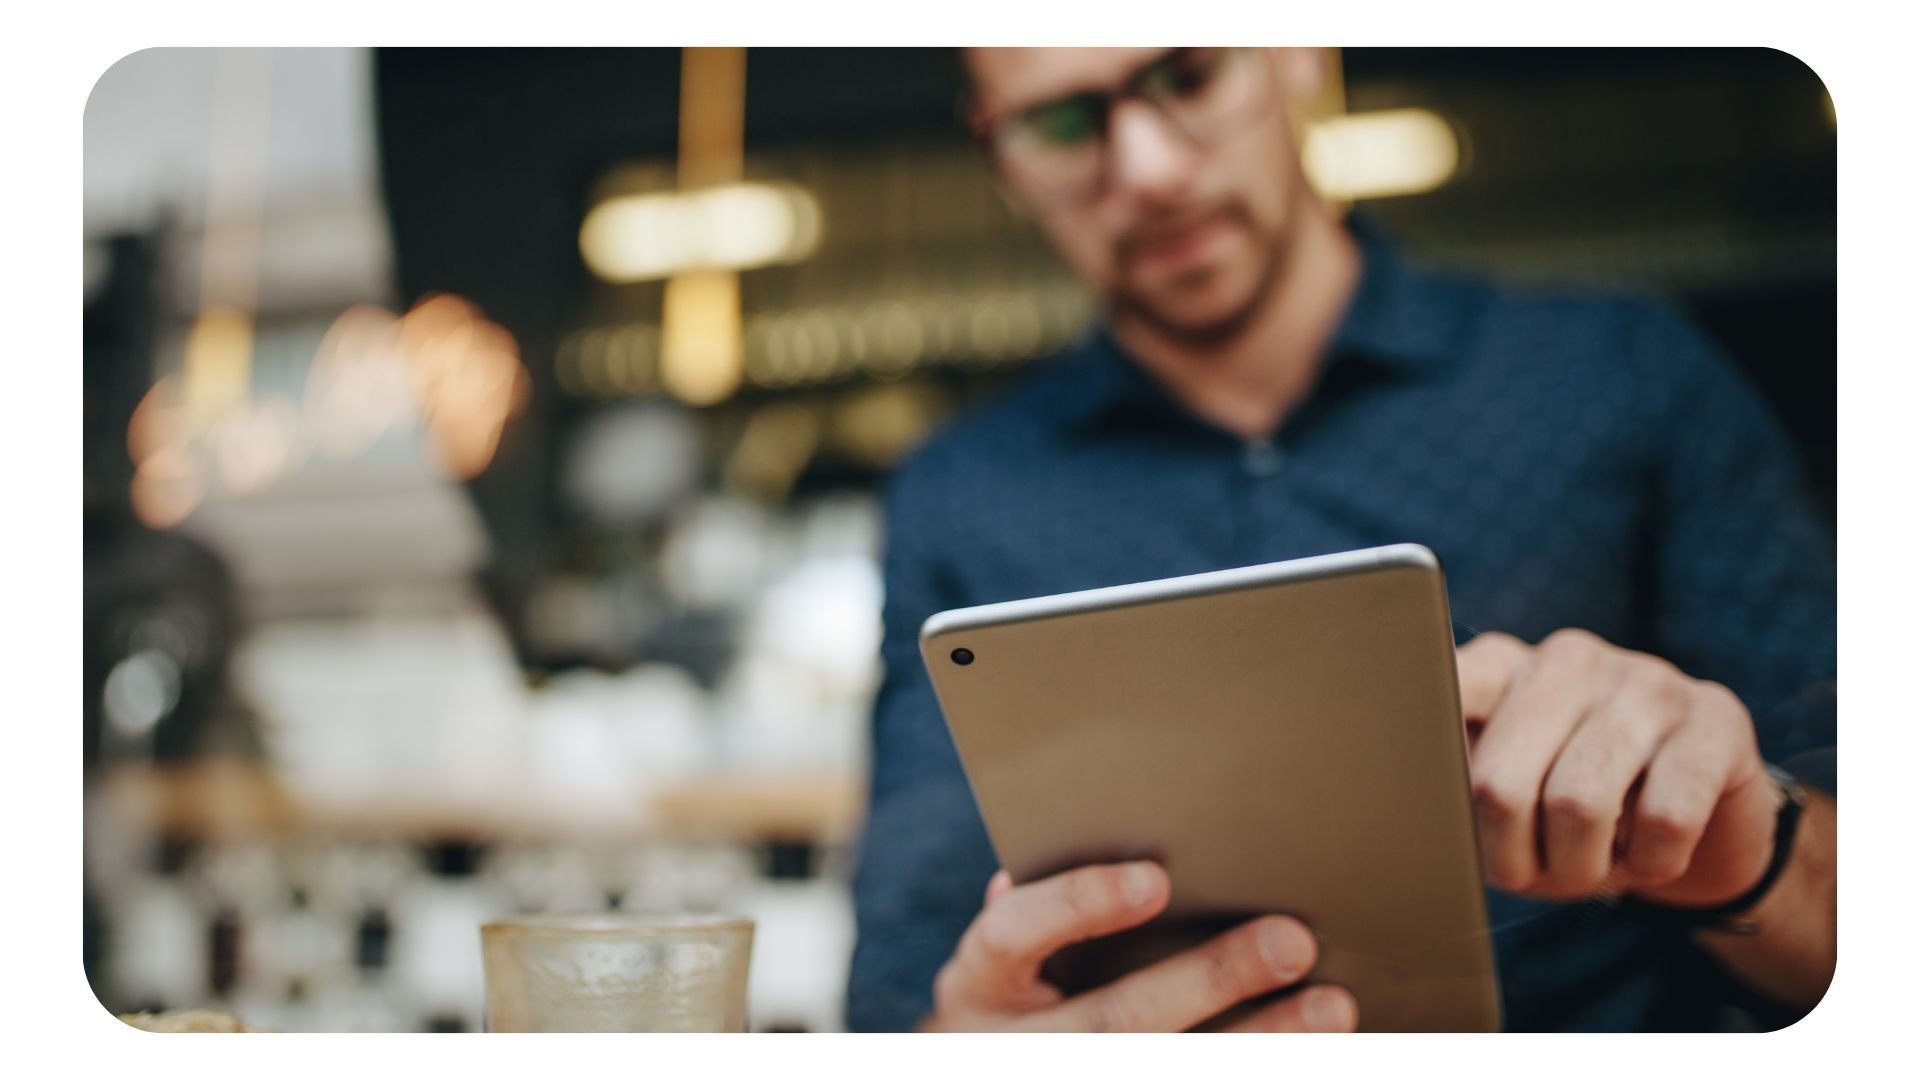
1056,150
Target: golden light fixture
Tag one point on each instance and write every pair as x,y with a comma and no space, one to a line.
700,346
1372,155
218,366
701,358
647,237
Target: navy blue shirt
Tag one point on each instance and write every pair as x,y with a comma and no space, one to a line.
1575,460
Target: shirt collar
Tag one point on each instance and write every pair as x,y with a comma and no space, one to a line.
1401,321
1401,316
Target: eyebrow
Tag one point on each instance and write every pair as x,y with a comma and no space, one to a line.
1085,88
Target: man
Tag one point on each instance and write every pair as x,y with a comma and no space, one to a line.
1626,545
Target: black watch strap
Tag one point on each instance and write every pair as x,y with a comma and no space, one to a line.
1727,917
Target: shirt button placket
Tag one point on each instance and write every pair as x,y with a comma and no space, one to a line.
1260,458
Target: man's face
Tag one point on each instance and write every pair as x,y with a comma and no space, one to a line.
1184,232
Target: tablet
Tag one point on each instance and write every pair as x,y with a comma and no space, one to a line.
1282,738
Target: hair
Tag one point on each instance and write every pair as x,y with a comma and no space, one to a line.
955,59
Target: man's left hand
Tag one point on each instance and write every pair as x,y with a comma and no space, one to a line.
1602,771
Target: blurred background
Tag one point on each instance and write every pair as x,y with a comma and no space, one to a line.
482,450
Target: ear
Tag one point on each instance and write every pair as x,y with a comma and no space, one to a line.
1311,85
1302,71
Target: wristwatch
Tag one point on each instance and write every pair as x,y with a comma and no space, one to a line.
1731,917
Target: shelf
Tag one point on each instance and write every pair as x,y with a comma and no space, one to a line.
228,800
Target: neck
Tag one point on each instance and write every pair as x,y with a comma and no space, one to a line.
1247,383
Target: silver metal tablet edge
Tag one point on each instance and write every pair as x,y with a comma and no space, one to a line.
1213,581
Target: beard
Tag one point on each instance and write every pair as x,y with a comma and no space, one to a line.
1158,309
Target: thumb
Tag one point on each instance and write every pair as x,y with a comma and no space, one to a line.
1000,884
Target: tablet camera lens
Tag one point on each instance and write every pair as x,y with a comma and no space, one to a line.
963,657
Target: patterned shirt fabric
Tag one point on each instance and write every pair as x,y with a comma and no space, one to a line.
1575,459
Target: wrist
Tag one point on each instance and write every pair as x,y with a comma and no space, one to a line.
1733,915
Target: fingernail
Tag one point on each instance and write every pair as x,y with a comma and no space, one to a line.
1136,883
1327,1009
1284,947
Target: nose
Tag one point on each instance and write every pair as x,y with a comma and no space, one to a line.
1151,160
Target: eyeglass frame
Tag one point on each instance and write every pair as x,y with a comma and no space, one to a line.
985,131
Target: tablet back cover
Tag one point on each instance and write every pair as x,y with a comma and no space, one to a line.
1284,738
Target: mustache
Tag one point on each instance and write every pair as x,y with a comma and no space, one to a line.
1154,230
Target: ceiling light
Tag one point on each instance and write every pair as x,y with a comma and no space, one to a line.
1376,154
632,238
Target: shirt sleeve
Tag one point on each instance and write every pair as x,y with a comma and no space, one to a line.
924,857
1742,564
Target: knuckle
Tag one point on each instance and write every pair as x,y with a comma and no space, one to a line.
1658,683
1693,784
1499,800
1571,643
1299,949
1498,641
990,943
1230,968
1091,893
1111,1012
1665,822
1671,698
1714,700
946,988
1575,809
1651,665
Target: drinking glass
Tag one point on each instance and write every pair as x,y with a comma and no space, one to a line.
617,971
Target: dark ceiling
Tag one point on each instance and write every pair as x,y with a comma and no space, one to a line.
1706,173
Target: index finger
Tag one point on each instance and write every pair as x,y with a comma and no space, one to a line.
1026,924
1488,666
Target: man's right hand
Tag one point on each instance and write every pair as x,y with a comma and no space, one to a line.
993,982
